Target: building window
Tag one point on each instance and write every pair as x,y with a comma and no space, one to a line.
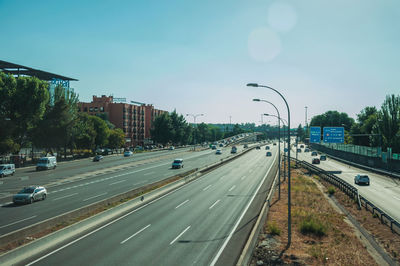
102,109
90,109
95,109
124,124
85,109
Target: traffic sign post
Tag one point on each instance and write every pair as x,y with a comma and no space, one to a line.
315,134
333,134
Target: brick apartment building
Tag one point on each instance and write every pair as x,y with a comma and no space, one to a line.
134,120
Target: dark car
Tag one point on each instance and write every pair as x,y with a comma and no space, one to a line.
274,143
258,148
298,150
322,157
306,150
361,179
177,164
315,161
301,146
97,158
267,147
314,153
269,154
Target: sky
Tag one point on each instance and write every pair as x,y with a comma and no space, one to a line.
197,56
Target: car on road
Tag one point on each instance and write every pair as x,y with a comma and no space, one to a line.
301,146
221,145
218,151
128,153
314,153
306,150
268,154
315,161
298,150
213,147
171,148
7,169
98,158
177,164
267,147
245,146
30,194
258,148
46,163
234,149
361,179
322,157
274,143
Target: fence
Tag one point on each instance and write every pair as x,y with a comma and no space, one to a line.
352,192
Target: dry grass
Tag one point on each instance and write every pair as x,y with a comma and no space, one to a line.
325,239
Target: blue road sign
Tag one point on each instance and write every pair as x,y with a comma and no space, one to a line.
333,134
315,134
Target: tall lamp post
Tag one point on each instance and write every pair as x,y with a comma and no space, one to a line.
279,142
289,198
194,121
284,143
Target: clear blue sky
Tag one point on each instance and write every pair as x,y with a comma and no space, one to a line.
197,56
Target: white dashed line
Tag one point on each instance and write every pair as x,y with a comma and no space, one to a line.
396,197
65,196
117,182
215,203
138,232
18,221
173,241
243,177
95,196
181,204
204,189
232,188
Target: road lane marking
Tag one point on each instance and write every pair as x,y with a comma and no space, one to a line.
95,196
117,182
176,238
232,188
149,173
215,203
227,239
396,197
243,177
18,221
207,187
138,232
181,204
70,195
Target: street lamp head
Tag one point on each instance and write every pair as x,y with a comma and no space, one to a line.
252,85
256,100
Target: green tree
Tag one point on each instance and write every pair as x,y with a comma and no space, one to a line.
301,133
162,129
101,129
178,123
84,132
366,120
389,122
22,105
116,139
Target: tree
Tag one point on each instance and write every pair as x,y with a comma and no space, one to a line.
116,139
300,133
101,129
388,122
162,127
22,105
366,120
84,133
332,119
178,123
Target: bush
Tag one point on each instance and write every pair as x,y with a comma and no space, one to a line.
331,190
273,229
311,225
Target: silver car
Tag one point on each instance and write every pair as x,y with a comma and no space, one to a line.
30,194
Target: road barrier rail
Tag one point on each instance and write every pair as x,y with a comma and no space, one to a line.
352,192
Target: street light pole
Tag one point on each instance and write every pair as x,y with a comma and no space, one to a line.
279,142
194,121
289,197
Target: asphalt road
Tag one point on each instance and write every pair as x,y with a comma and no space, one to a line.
193,225
70,193
383,191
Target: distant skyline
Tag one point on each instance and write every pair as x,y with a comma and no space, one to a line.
198,56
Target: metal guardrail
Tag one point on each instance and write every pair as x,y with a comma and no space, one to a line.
352,192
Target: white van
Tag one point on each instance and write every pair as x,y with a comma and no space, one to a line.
46,163
7,169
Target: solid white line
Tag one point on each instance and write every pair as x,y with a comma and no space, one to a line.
70,195
204,189
215,203
18,221
243,177
176,238
117,182
138,232
240,218
181,204
95,196
232,188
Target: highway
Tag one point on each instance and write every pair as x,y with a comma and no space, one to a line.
106,180
193,225
383,191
